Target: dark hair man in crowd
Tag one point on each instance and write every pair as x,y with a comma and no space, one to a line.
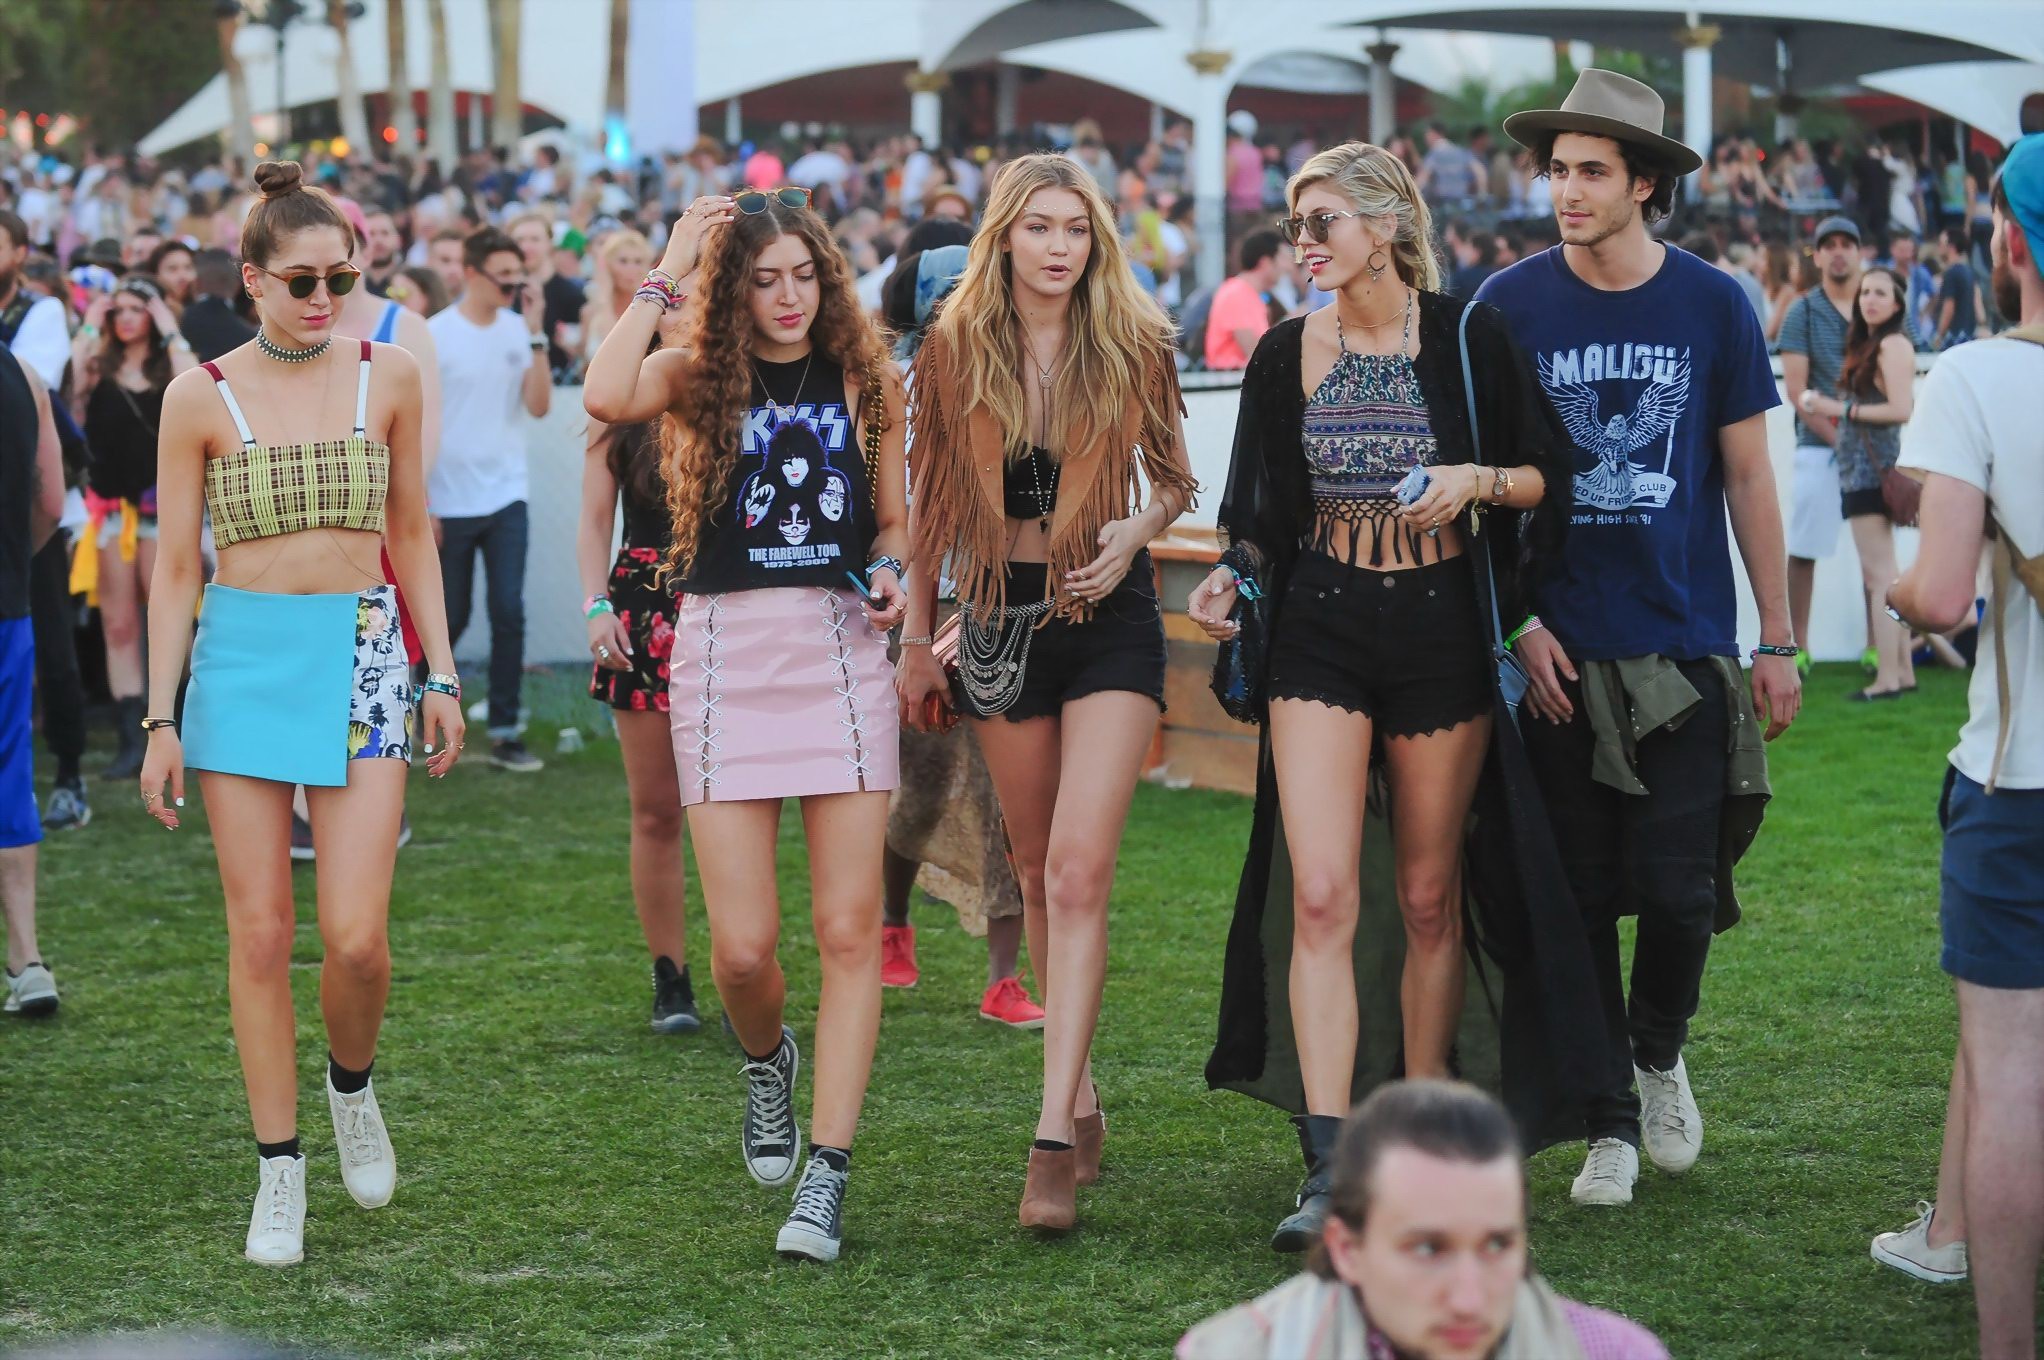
1424,1255
1812,344
1240,312
1659,370
493,364
1979,446
210,322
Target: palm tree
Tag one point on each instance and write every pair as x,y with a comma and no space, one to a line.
440,140
403,117
240,130
620,45
507,121
347,85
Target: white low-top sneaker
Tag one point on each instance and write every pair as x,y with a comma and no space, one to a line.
31,992
1670,1125
1910,1251
368,1165
276,1230
1608,1173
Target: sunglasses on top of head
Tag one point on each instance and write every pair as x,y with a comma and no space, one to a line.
1313,227
755,201
339,283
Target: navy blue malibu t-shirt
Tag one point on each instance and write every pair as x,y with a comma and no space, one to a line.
1643,380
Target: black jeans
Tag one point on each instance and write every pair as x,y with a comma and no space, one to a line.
1651,855
56,653
500,537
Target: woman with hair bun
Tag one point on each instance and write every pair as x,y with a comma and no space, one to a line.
1045,395
1362,507
782,429
307,455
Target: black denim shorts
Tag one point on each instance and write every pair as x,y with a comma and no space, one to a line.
1120,647
1402,648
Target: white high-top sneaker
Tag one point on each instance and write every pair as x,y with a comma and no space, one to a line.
276,1229
1670,1125
1608,1173
368,1165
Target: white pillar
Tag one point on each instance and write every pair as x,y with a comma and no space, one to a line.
1383,93
476,137
660,84
1210,163
1156,121
734,122
1697,40
926,105
1007,95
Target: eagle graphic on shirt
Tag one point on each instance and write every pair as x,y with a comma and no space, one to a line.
1615,480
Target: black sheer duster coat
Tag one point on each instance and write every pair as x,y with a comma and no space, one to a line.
1531,1028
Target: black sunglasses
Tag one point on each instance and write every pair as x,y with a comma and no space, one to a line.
755,201
1314,228
340,283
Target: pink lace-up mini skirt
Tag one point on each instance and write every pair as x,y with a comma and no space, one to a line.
781,693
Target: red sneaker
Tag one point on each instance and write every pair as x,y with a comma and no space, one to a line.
1007,1003
898,956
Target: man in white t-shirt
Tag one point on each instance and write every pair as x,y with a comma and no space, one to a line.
493,362
1976,438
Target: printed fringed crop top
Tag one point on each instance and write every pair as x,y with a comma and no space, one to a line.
1366,427
262,490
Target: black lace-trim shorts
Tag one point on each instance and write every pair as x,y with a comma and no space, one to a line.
1121,647
1402,648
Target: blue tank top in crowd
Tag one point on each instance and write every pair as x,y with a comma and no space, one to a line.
1643,380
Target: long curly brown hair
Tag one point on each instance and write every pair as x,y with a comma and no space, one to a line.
699,437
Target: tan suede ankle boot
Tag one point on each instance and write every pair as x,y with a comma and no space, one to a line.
1088,1132
1050,1195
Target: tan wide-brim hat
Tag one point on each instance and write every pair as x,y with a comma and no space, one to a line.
1607,104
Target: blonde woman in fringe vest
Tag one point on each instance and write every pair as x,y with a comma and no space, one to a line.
1044,388
782,438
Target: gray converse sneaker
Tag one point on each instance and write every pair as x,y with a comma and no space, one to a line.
368,1164
1670,1125
815,1228
67,809
771,1139
276,1228
1910,1251
31,992
1608,1173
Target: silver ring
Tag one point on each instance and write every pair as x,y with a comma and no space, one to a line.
603,651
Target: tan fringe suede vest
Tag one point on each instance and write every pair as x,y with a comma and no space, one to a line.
957,460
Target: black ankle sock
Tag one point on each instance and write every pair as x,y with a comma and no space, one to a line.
68,771
837,1159
287,1148
346,1082
1050,1145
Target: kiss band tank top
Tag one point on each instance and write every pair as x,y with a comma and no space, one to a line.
798,511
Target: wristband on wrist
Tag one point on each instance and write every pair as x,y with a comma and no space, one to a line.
926,640
441,683
1769,649
596,604
156,724
893,564
1531,625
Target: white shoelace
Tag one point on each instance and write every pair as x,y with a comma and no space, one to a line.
1607,1162
816,1198
1665,1105
773,1120
278,1209
361,1132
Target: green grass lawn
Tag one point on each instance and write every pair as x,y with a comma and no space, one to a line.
570,1183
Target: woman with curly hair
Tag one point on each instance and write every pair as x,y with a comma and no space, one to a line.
1043,390
122,361
782,430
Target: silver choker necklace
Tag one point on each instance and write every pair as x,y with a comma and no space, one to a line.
290,356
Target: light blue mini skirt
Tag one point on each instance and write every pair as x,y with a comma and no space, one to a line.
293,687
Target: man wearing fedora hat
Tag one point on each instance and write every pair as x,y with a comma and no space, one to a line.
1640,726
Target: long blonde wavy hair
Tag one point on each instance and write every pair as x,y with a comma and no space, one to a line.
699,437
1115,332
610,297
1378,184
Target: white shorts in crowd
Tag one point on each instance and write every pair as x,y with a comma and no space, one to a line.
1815,512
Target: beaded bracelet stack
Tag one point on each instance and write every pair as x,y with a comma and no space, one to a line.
663,288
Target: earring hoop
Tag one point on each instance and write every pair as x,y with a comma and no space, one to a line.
1377,270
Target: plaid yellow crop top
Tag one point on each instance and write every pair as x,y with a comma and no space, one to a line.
262,490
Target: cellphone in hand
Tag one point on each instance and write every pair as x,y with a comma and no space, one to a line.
1413,487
